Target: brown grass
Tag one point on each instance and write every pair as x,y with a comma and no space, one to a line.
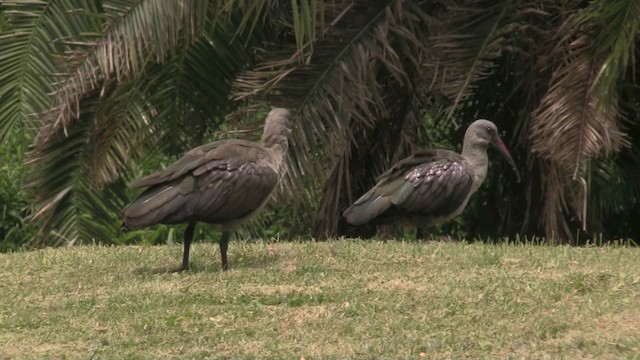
340,299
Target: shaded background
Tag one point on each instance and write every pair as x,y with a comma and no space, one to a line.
96,93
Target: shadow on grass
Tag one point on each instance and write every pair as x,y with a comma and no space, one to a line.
240,261
255,260
158,270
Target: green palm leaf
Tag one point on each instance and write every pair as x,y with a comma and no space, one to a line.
165,97
70,208
616,27
150,30
35,31
464,48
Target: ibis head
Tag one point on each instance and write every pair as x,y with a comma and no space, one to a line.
276,128
484,133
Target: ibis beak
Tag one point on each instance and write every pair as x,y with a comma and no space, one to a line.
503,149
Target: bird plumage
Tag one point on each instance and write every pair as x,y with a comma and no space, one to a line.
430,186
441,176
218,183
225,183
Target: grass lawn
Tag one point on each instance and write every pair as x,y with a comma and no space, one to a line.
338,299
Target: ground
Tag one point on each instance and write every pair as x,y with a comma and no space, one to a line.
337,299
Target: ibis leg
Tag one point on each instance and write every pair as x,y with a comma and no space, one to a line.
224,245
419,233
188,236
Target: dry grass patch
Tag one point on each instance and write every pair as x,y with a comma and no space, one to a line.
340,299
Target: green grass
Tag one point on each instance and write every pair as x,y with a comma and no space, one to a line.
340,299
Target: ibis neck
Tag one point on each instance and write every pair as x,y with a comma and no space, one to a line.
476,156
277,146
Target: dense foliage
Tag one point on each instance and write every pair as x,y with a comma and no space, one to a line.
116,89
14,200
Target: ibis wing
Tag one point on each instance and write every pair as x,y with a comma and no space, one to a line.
227,192
229,181
162,203
415,159
374,203
188,162
436,188
393,195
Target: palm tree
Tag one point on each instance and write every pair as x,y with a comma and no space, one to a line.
127,78
549,73
369,81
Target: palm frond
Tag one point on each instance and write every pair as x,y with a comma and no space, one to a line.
578,118
180,90
35,31
463,49
329,88
151,30
121,127
3,22
166,107
114,10
572,123
70,209
616,27
305,15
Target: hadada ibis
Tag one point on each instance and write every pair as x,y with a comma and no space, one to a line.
225,183
431,186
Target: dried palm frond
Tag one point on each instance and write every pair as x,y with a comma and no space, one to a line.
554,182
572,124
577,120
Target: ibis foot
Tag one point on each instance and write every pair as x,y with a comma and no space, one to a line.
420,233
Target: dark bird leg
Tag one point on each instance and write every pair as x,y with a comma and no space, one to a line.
188,235
419,233
224,245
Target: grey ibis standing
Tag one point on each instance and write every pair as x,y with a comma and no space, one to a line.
225,183
431,186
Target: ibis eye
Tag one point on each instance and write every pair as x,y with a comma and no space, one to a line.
489,130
